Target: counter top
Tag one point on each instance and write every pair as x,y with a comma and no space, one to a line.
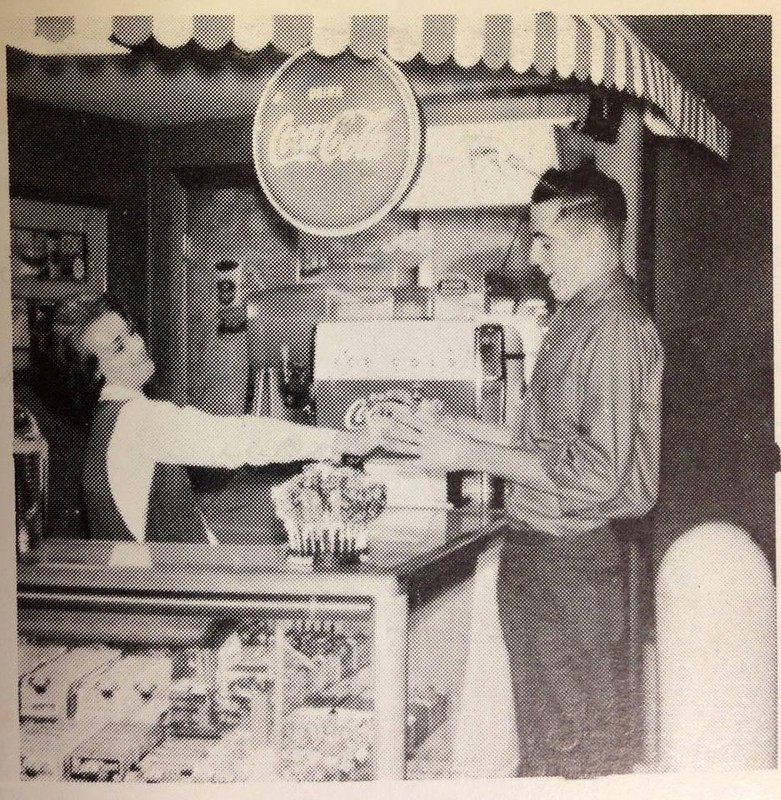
408,547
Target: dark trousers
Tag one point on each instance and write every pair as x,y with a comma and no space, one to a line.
562,611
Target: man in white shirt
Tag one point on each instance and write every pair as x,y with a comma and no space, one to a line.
583,454
135,483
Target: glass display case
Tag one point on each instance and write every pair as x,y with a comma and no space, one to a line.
146,663
209,689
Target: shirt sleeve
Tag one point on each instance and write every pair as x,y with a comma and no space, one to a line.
185,435
589,458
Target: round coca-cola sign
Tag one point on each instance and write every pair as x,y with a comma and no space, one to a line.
336,141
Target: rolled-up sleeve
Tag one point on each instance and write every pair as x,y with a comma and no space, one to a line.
186,435
589,456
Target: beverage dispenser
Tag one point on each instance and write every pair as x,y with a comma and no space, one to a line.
460,363
281,326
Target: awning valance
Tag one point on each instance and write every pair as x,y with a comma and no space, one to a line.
600,50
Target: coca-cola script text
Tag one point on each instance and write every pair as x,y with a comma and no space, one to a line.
354,134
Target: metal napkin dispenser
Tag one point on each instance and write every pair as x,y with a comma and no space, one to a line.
490,373
491,394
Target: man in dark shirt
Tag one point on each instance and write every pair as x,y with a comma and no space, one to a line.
586,452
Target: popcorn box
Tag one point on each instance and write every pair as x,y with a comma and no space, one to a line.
45,748
32,656
113,750
178,760
137,687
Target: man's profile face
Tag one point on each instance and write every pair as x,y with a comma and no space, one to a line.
565,248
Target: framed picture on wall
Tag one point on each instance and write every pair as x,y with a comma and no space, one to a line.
48,254
57,248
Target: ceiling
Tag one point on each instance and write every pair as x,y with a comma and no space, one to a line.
706,52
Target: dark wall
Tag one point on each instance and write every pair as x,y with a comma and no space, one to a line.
713,263
186,160
68,157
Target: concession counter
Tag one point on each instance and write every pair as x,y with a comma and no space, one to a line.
153,662
308,213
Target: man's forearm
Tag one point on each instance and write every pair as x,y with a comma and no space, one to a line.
520,466
486,432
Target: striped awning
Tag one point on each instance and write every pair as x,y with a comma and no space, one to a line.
600,50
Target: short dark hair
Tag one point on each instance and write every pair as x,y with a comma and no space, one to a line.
79,370
582,188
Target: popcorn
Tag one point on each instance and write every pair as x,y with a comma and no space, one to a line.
327,509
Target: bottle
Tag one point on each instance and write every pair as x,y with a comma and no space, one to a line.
426,281
276,404
230,296
261,397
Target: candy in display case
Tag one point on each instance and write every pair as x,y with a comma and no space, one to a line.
323,743
51,691
327,729
114,750
45,748
178,760
136,687
236,757
258,698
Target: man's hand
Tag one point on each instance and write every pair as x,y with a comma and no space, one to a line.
445,446
457,444
396,439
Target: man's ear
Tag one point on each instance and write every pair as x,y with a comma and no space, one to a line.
588,238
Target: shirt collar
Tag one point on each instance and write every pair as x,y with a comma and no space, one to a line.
599,287
115,391
596,290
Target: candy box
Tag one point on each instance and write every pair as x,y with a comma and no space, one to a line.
50,692
137,687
